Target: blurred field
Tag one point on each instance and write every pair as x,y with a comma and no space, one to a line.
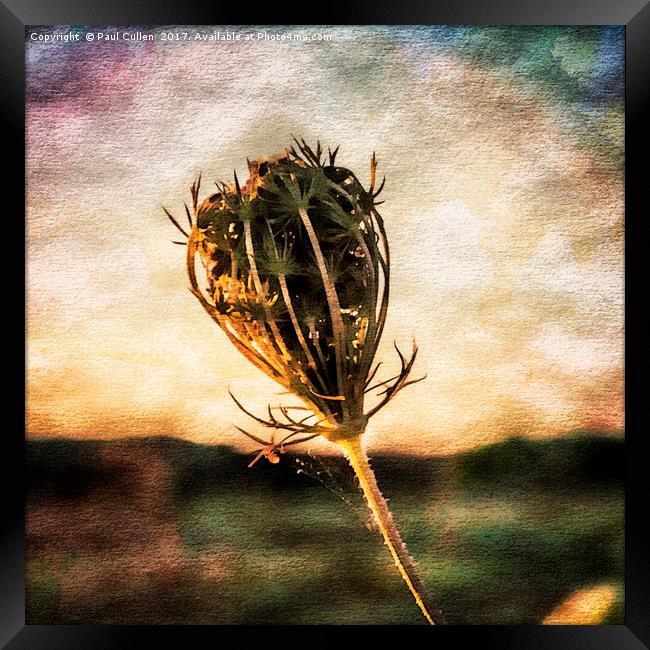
159,530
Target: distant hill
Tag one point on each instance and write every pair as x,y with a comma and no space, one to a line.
580,459
160,530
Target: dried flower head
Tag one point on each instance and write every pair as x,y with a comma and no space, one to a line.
297,276
296,273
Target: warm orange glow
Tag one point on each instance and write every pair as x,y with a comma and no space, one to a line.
584,607
506,251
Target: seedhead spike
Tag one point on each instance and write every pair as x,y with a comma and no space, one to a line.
238,188
171,218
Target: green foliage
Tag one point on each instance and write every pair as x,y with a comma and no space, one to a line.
571,460
286,550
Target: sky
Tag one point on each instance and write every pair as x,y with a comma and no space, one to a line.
503,155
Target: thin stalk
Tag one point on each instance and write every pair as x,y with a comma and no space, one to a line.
379,507
369,345
321,356
261,362
233,266
385,264
250,253
258,359
282,280
258,339
332,298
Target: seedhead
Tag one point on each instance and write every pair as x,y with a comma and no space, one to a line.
296,267
295,271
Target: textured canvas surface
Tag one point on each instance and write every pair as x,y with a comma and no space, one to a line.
503,155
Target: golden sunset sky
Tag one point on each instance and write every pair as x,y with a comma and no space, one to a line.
503,206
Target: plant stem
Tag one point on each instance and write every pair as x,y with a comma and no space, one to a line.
250,253
282,280
332,299
358,459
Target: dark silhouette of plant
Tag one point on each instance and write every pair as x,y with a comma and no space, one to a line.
297,276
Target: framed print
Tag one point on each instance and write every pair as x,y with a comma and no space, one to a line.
326,324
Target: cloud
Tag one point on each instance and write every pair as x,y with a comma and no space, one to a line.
505,234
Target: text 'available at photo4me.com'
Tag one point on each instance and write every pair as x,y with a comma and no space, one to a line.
50,35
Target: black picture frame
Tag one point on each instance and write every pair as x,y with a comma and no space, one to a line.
634,14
